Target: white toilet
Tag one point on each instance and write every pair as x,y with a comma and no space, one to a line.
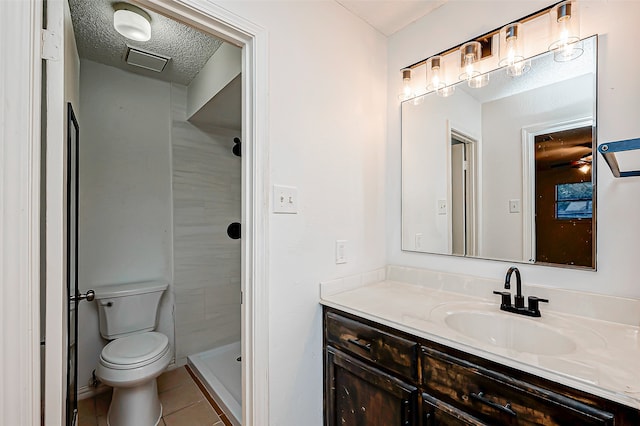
136,354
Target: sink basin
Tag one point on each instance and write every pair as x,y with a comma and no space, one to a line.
509,332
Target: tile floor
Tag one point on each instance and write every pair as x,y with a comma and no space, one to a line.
185,402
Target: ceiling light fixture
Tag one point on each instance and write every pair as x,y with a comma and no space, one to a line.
132,22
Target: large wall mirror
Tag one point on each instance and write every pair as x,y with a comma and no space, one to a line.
505,171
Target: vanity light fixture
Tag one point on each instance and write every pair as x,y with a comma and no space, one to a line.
132,22
511,50
436,77
470,55
565,30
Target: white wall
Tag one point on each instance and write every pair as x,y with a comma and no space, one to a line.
426,154
327,115
502,124
206,199
618,103
223,66
125,193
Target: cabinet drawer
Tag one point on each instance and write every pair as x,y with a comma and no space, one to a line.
437,413
499,399
385,350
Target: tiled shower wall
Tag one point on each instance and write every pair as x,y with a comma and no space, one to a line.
206,262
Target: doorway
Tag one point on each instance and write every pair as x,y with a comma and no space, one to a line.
254,281
559,193
463,194
564,197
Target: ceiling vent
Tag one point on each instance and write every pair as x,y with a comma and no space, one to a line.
146,60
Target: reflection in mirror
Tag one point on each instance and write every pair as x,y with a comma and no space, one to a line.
505,171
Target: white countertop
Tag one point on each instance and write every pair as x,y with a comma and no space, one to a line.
605,360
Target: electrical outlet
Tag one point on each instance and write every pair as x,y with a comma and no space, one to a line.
418,240
285,199
442,206
514,206
341,251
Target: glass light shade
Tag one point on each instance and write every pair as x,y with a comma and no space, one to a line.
132,25
435,74
418,99
512,50
470,54
436,77
447,91
565,32
407,90
478,81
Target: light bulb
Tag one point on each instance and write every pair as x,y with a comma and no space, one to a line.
406,88
435,74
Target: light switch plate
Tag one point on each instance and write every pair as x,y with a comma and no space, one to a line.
285,199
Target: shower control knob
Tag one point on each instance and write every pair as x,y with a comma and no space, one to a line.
89,296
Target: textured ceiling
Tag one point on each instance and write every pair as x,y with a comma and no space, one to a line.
390,16
189,49
97,40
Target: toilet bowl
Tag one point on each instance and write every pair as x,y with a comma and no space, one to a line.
130,365
136,354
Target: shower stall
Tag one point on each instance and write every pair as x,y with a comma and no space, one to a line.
206,177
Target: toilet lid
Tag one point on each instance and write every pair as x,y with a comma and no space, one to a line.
135,349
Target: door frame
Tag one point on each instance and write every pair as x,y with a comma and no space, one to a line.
20,217
473,237
529,134
20,115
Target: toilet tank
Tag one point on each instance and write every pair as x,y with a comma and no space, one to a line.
128,308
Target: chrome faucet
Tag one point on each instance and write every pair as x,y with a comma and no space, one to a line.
518,306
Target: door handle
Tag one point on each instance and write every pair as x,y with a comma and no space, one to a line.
89,296
362,344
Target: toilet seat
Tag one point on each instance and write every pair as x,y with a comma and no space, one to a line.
134,351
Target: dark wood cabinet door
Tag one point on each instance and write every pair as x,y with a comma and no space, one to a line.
357,394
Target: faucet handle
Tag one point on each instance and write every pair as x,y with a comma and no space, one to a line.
533,304
506,298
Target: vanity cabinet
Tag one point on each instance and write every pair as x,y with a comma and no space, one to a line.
378,376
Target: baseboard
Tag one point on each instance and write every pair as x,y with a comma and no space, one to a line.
85,392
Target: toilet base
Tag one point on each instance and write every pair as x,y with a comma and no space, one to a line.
135,406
